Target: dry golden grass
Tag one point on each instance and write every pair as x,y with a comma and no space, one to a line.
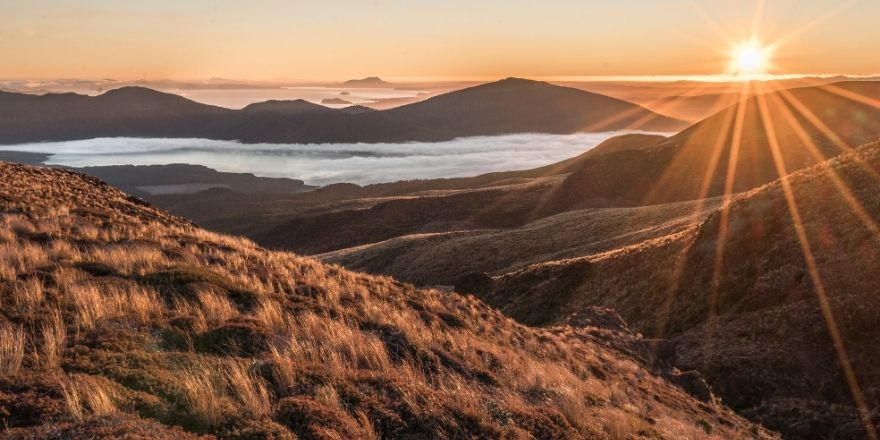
86,395
21,257
204,396
248,389
27,295
215,391
217,335
12,340
98,302
210,308
54,339
136,259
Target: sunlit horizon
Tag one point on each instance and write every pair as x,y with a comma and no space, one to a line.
314,42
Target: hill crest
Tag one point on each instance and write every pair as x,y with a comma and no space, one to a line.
504,107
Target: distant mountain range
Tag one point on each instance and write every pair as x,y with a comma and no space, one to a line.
508,106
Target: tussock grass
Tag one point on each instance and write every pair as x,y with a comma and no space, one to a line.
215,391
27,295
54,339
85,395
12,340
204,396
21,257
217,335
248,389
97,302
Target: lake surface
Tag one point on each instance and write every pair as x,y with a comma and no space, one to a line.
322,164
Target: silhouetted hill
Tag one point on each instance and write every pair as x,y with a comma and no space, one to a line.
518,105
508,106
328,230
129,111
121,321
631,170
676,169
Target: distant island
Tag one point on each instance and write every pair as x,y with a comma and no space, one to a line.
371,81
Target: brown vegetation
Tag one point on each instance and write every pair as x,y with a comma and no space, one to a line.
761,332
443,258
143,325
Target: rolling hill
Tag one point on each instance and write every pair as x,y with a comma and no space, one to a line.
120,320
128,111
678,168
507,106
444,258
626,171
519,105
761,317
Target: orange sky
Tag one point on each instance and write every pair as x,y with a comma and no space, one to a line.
398,40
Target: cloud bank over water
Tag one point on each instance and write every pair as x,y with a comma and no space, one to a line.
322,164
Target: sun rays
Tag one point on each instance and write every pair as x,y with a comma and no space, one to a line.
813,269
776,108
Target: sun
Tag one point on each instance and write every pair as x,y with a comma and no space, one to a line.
750,58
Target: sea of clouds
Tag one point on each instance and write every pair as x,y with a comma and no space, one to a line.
321,164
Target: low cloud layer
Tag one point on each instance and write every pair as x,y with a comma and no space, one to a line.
322,164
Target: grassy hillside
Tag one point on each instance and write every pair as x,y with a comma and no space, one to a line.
119,320
756,313
444,258
494,207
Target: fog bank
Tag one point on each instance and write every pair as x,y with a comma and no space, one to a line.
321,164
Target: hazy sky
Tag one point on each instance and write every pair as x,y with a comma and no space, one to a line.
454,39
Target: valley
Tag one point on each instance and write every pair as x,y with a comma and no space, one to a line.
679,265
